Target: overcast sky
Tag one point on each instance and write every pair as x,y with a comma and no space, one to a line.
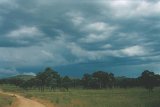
78,36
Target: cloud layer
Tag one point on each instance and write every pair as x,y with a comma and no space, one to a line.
57,33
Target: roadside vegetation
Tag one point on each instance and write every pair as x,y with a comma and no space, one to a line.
5,101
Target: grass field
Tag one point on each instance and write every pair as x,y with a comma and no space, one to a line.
5,101
131,97
135,97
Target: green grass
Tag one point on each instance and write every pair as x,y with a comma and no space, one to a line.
11,88
5,101
131,97
134,97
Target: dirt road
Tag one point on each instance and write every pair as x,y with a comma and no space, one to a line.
23,102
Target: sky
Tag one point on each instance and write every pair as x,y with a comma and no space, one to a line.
79,36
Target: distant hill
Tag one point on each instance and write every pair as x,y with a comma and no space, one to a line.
23,77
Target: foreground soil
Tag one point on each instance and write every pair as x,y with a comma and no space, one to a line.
23,102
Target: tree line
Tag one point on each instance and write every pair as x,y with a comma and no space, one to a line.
50,79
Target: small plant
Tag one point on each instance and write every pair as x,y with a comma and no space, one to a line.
57,101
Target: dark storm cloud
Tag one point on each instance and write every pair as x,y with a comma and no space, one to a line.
101,33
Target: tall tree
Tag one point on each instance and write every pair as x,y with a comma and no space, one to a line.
148,80
86,80
48,78
101,77
111,80
66,82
